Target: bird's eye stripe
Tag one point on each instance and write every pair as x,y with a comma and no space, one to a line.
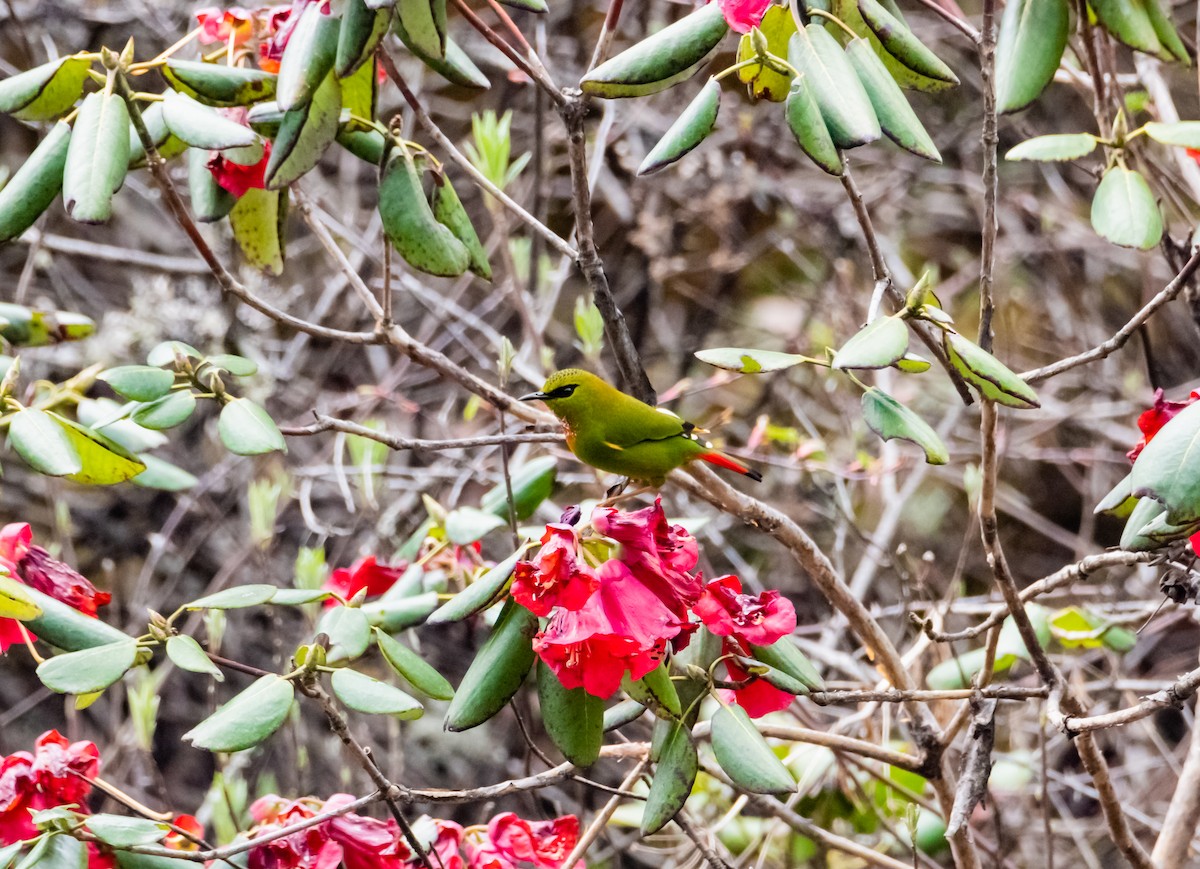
563,391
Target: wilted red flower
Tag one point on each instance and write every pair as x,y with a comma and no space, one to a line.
1161,413
759,697
280,24
192,827
509,841
659,555
350,839
623,628
219,25
445,845
49,777
35,567
757,620
235,177
744,15
365,573
557,576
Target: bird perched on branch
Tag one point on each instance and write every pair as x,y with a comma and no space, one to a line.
615,432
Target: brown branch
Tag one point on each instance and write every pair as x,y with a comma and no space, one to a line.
834,741
990,140
1171,697
328,423
1183,813
534,69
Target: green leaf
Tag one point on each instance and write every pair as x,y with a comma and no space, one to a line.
29,327
210,201
257,221
805,121
424,22
689,130
847,11
457,68
238,366
186,654
1129,21
362,29
396,614
204,127
994,380
532,484
43,444
238,597
1033,35
15,600
1059,147
359,91
656,691
498,670
1124,210
105,462
625,712
749,361
308,58
674,776
166,412
163,476
364,694
305,133
835,85
745,756
1148,527
246,720
97,158
67,628
130,860
448,210
900,42
889,419
880,343
1168,36
912,363
767,82
56,851
896,117
8,854
248,430
297,596
1168,469
1118,497
573,718
89,669
784,655
466,525
349,633
413,668
166,353
46,91
410,224
35,185
139,382
661,60
122,832
480,594
217,84
958,672
1183,134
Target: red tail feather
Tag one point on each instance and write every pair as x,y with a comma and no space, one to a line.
723,461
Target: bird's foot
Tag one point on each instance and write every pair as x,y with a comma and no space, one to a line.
616,494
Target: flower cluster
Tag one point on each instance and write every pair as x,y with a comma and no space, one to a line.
57,773
1151,421
265,29
744,15
613,609
36,568
359,842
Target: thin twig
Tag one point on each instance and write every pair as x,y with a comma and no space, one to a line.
328,423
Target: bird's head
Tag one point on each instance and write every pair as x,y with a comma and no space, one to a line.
568,391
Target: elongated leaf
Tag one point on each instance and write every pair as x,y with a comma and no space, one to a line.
15,600
186,654
673,778
1129,21
257,221
1183,134
994,380
246,720
56,851
807,124
97,158
498,670
361,31
152,119
1062,146
413,668
848,13
364,694
1160,20
67,628
396,614
204,127
308,58
896,117
456,67
1124,210
305,133
767,82
1119,496
210,201
89,669
235,598
784,655
625,712
745,756
449,212
166,412
839,94
216,84
424,21
44,92
574,719
122,832
663,59
1168,469
889,419
900,42
410,225
480,594
163,476
349,633
139,382
248,430
689,130
749,361
1033,35
43,444
35,185
879,344
104,461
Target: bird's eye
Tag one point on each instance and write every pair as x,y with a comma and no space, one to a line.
567,391
564,391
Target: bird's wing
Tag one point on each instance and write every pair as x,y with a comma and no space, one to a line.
643,423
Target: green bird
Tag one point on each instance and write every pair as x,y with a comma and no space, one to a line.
615,432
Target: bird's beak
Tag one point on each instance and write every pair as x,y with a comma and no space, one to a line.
533,396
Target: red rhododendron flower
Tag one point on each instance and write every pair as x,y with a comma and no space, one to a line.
545,844
446,844
219,25
1194,154
280,24
744,15
557,576
365,573
349,839
235,177
623,628
192,827
757,620
36,568
48,777
659,554
759,697
1156,417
